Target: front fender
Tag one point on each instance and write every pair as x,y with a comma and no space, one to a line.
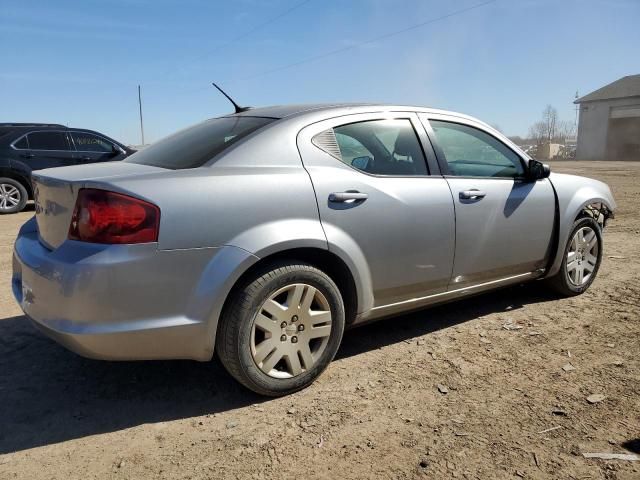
574,193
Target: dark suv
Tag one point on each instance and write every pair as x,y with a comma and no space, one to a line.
33,146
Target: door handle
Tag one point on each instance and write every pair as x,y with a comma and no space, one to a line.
28,155
349,196
472,194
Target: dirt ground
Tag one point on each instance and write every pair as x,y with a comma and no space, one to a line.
511,410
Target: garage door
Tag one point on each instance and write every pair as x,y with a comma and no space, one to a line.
623,135
625,112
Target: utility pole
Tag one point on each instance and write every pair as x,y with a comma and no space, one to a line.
577,109
140,108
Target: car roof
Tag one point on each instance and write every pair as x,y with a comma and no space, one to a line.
30,125
283,111
11,131
303,114
336,109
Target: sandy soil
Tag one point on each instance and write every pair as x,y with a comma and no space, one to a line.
511,411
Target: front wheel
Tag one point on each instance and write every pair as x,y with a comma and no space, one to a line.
13,196
582,257
281,328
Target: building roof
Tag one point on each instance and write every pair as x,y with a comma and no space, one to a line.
624,87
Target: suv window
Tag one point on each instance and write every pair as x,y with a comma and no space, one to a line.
48,141
380,147
87,142
195,146
470,152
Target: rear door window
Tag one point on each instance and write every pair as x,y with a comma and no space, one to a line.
378,147
87,142
48,141
195,146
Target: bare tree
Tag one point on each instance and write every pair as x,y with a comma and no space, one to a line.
565,129
537,132
550,121
550,128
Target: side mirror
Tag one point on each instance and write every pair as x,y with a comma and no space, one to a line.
115,150
361,163
538,170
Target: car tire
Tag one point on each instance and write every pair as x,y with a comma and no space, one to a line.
579,256
13,196
291,309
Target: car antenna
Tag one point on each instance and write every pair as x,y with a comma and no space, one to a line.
238,108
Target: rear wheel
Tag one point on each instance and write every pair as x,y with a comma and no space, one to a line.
13,196
582,257
281,330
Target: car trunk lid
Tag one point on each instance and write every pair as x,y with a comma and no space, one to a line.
55,191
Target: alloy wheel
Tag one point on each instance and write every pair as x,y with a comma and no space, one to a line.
9,196
291,330
582,256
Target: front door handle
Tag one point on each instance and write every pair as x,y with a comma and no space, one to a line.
28,155
472,194
349,196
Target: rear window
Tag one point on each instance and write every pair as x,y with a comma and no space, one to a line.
195,146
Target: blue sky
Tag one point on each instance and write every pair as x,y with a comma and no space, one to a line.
79,62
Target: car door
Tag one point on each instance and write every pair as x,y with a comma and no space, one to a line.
45,149
91,148
504,222
380,203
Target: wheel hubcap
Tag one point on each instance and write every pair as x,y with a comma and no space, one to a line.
9,196
582,256
290,331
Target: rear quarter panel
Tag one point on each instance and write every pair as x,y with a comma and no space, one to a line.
259,209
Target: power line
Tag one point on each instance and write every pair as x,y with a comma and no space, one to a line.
371,40
248,32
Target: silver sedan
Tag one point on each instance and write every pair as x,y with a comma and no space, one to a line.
262,235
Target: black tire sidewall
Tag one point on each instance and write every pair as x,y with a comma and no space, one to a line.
564,277
23,196
255,378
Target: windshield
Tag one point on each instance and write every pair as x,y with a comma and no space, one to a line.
195,146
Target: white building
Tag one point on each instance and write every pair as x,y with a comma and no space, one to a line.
609,125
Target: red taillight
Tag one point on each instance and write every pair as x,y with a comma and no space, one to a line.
108,217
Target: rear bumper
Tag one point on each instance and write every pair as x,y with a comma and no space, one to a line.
117,302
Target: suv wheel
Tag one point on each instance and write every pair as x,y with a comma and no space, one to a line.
282,329
13,196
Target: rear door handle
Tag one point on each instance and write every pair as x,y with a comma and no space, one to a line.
472,194
28,155
349,196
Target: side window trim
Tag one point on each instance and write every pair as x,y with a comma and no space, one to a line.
26,138
441,158
415,123
64,133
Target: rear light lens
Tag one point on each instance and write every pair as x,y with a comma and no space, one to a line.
101,216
